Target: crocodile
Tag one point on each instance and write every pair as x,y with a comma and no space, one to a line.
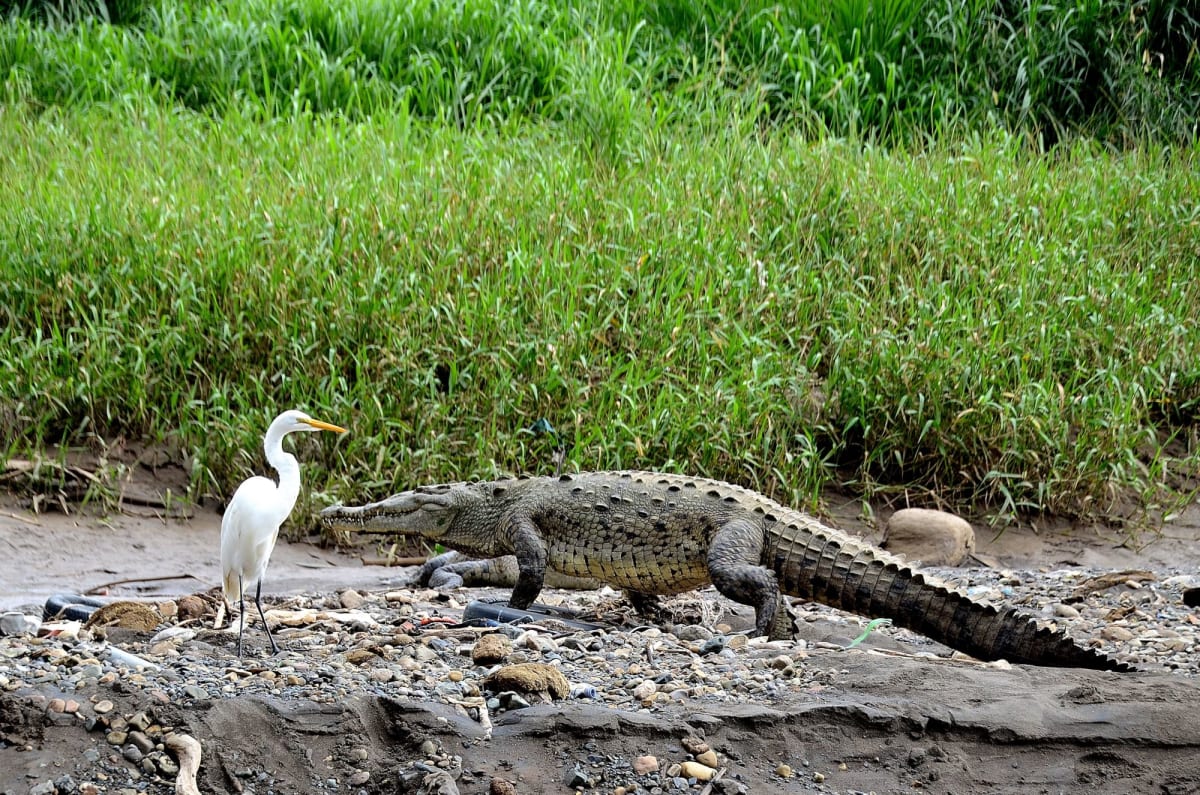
653,533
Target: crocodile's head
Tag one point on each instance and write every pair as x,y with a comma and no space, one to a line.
428,511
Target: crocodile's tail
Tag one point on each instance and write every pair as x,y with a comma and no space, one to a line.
866,581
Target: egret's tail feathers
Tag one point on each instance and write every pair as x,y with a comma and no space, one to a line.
232,586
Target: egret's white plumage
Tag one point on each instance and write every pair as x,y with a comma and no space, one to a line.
252,518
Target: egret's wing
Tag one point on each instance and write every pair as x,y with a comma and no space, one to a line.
248,531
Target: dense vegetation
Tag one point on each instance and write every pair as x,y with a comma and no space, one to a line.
1119,70
900,245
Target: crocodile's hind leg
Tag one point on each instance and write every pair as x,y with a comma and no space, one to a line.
784,626
734,564
647,606
454,570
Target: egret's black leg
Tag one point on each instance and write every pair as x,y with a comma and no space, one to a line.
258,602
241,614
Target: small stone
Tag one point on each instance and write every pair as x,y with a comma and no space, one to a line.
694,745
132,754
529,678
358,778
818,778
103,707
191,608
576,776
697,771
644,690
71,707
455,676
1065,611
502,786
15,623
935,538
92,671
141,742
56,705
116,738
491,649
428,748
350,599
359,754
693,632
645,764
709,758
784,771
168,766
382,675
1116,633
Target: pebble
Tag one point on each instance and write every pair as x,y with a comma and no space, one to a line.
14,623
645,764
644,690
784,771
1116,633
141,742
697,771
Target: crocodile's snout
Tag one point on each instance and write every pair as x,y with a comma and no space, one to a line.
336,515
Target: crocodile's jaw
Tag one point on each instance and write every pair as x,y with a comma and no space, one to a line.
410,513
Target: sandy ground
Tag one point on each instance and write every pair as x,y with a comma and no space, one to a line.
891,725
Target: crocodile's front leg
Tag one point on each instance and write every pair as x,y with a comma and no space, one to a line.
734,564
530,550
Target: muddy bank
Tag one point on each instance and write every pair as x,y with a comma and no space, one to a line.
883,724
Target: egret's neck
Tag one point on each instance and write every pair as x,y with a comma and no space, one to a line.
286,465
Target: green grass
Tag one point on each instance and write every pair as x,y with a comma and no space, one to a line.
1004,328
904,246
880,69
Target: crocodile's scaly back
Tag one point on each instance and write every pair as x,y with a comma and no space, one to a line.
652,533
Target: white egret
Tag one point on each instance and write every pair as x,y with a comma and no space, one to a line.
252,518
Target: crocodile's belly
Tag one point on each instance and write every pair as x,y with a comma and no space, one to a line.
670,569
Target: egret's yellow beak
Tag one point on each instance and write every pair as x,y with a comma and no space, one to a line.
324,426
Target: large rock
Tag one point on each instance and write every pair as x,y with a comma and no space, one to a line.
935,538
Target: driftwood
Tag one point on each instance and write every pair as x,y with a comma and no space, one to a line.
187,750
